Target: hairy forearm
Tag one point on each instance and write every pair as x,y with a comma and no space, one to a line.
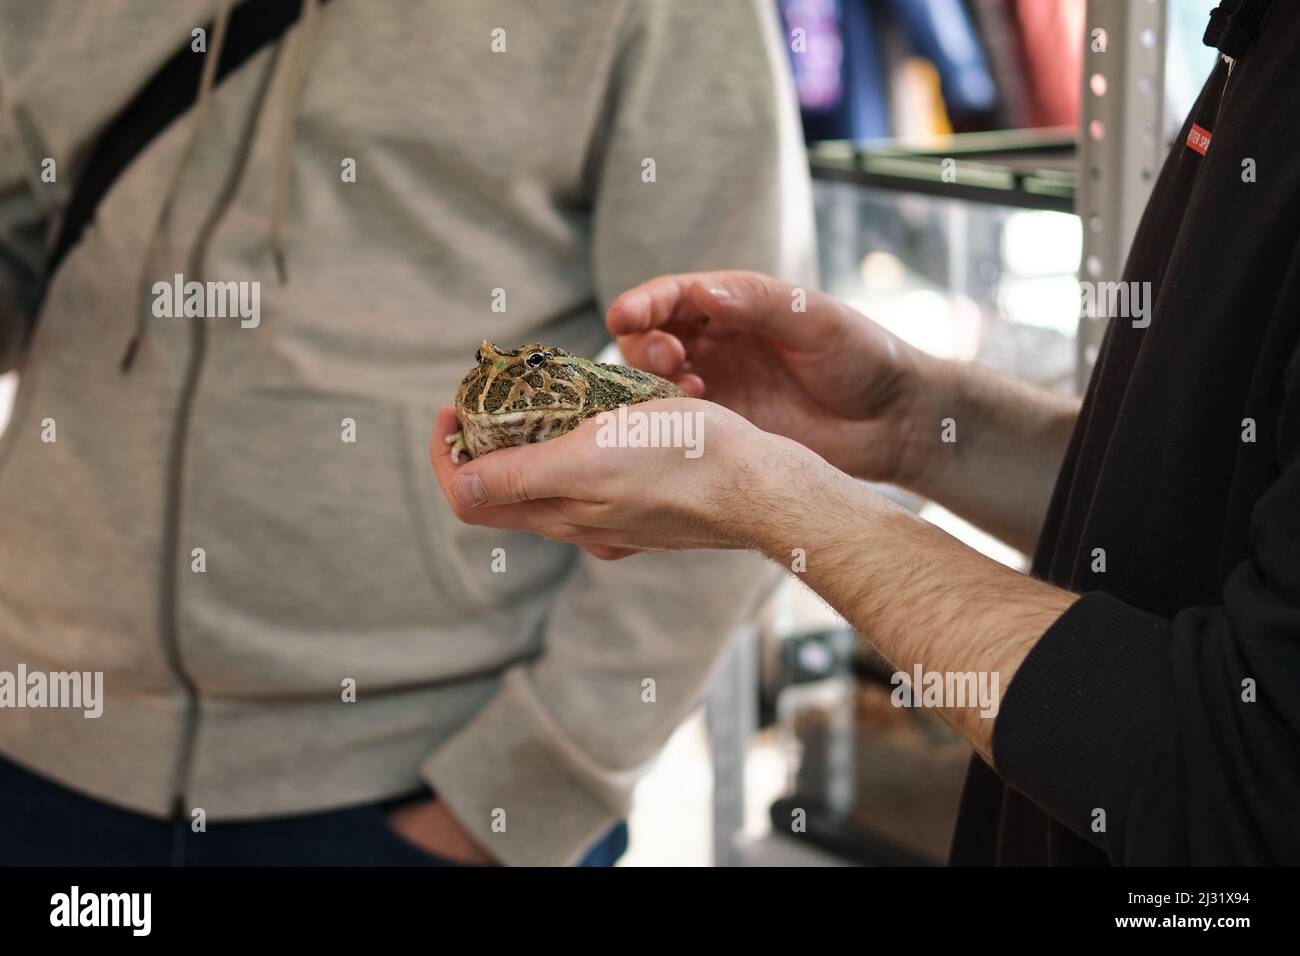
986,447
919,596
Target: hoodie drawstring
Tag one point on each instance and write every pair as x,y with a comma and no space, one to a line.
197,121
303,45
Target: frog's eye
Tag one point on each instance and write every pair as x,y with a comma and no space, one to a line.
534,359
478,355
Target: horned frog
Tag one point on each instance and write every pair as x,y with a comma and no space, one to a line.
533,393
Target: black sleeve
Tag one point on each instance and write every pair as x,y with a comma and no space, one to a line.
1184,732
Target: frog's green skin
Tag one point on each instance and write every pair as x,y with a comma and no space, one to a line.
533,393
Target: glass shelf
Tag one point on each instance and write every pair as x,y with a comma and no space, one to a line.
1033,169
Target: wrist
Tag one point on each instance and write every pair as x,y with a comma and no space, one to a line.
936,392
792,497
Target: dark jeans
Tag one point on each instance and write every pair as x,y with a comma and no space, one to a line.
45,824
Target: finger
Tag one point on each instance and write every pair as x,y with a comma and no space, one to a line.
799,317
545,517
607,553
691,384
444,425
461,496
654,351
654,304
796,316
445,421
665,356
507,476
549,517
550,469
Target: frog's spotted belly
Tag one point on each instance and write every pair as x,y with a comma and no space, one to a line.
484,432
533,394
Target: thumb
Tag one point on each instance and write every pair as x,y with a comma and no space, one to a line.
514,475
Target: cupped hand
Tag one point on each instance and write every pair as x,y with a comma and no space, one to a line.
826,376
615,501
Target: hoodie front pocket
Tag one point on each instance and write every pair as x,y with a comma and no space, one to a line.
481,569
316,566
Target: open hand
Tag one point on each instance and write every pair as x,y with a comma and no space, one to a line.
827,377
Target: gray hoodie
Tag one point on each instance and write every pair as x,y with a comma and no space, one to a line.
241,531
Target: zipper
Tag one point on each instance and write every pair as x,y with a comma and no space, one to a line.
198,340
1223,93
172,544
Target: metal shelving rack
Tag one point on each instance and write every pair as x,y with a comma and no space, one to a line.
1120,146
1029,168
1121,140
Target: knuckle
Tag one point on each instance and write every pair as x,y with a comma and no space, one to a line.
758,288
517,485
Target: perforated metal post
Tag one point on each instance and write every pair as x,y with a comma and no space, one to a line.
1121,142
732,716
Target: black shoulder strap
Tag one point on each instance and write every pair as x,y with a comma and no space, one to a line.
168,94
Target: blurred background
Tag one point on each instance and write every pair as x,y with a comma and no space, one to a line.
971,160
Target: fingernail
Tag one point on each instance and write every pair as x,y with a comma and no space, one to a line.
469,490
720,294
657,356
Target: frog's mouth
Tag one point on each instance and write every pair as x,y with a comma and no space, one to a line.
509,416
486,431
521,414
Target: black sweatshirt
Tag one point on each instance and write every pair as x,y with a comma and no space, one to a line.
1168,697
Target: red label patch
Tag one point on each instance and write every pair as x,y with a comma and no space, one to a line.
1199,139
